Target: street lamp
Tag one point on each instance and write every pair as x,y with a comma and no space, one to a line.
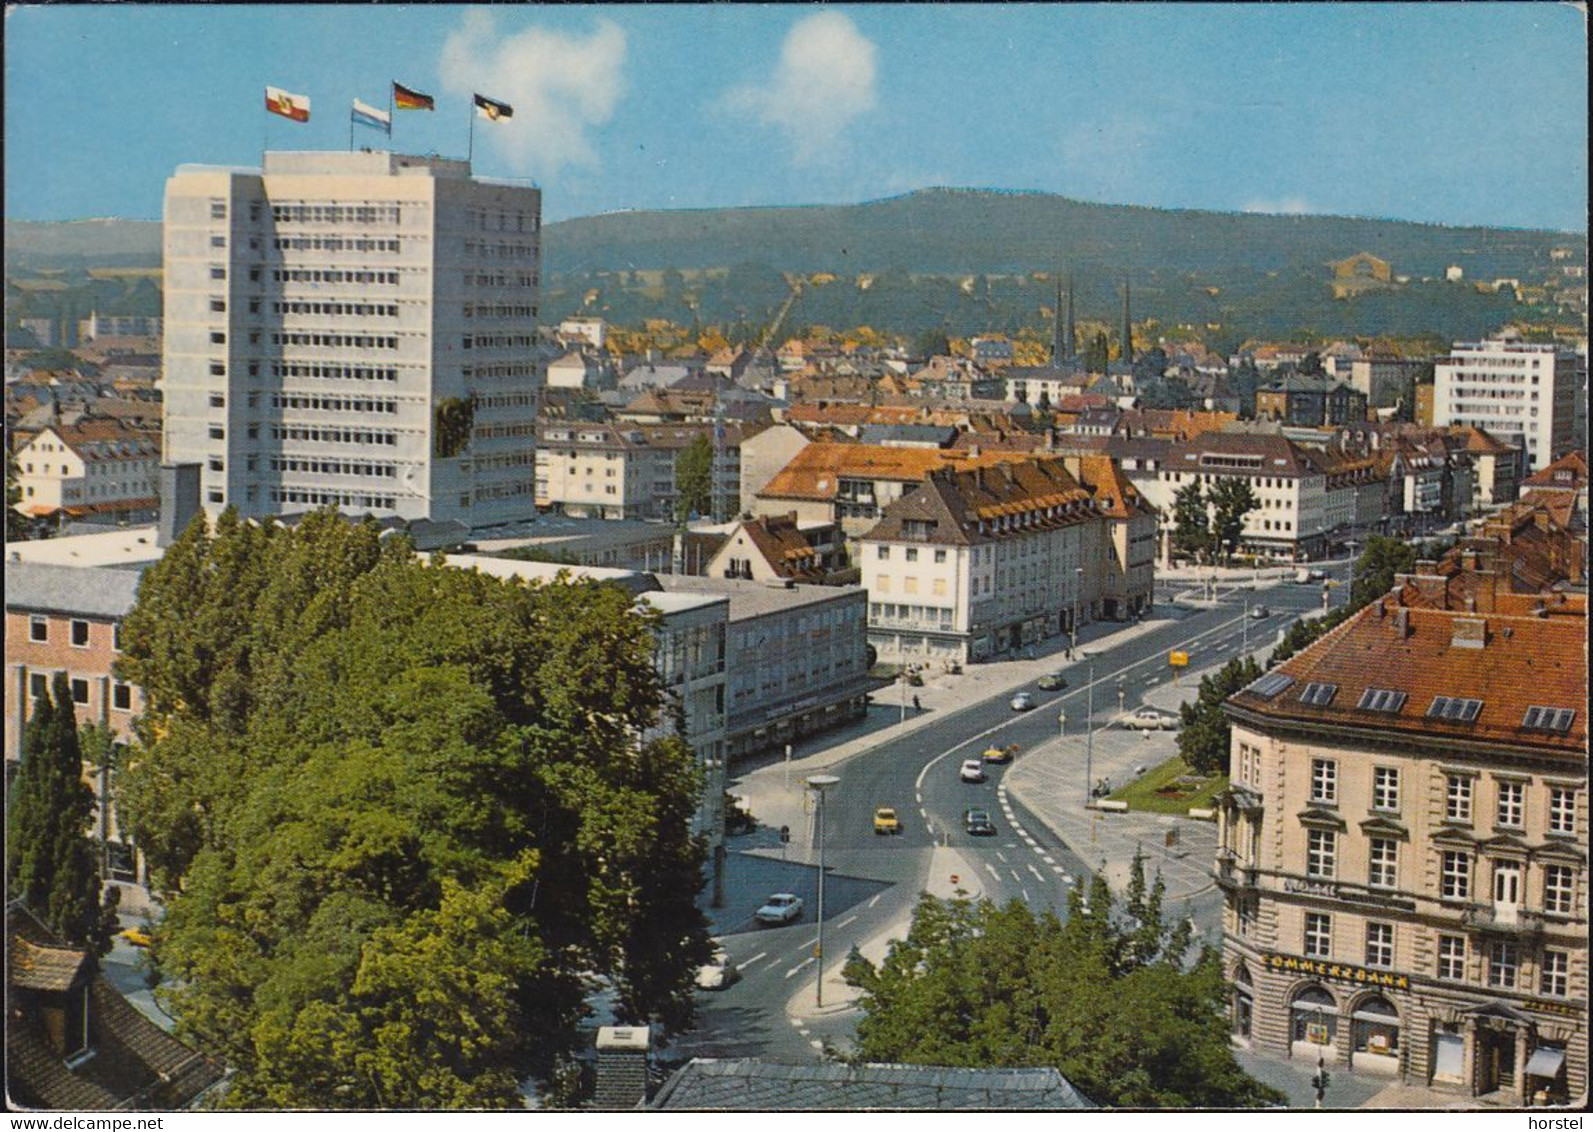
819,782
1089,732
1122,691
1078,588
1062,724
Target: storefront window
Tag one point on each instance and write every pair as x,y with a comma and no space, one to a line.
1314,1017
1376,1027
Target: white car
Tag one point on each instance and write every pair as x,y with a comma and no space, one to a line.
1022,702
781,908
1149,719
973,770
718,973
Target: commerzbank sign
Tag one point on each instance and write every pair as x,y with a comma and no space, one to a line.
1344,972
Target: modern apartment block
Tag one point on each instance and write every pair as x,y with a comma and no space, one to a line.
354,329
1519,391
1403,849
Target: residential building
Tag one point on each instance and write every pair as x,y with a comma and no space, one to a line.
955,379
579,369
762,458
621,470
1497,467
1381,378
979,561
91,468
592,331
354,329
770,548
1403,849
1521,392
991,351
1317,402
1568,476
796,658
1293,520
1043,385
97,326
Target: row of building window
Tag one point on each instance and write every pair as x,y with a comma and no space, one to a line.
483,250
77,632
321,497
510,490
496,431
355,341
1509,797
334,467
121,694
500,310
333,404
499,370
1504,957
924,616
307,306
329,275
500,279
910,553
497,341
333,213
505,400
336,371
336,244
332,435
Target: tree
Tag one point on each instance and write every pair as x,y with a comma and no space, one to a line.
1204,739
17,525
931,344
694,468
401,815
1374,571
1106,997
1311,365
50,861
1192,534
1231,499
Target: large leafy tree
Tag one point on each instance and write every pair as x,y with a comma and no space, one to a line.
1231,499
16,523
1204,738
1192,533
50,861
402,814
1106,997
1380,560
694,478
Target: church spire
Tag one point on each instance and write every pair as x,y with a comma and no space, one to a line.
1127,356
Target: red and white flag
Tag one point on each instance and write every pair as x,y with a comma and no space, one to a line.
295,106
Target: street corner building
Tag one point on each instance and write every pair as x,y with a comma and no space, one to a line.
1404,847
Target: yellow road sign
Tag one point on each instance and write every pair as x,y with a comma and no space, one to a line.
1178,659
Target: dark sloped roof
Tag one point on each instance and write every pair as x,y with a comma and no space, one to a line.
84,591
751,1085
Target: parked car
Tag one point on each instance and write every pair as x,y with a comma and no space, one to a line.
1149,719
1051,681
1022,702
1318,575
138,937
978,823
718,973
1302,576
781,908
1260,612
886,821
1000,754
973,770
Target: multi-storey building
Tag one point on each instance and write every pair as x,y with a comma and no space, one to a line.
1521,392
1288,481
1382,379
91,468
354,329
1300,399
622,470
973,563
1403,850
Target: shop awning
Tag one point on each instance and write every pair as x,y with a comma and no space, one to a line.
1545,1062
1376,1014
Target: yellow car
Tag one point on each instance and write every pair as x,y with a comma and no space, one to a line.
886,821
1000,754
138,937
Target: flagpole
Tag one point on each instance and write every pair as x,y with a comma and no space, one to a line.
351,129
390,115
470,154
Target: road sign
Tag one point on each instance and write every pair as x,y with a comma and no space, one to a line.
1178,659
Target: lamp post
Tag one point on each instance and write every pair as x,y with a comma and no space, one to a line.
1078,588
819,783
1244,629
1122,691
1062,724
1089,733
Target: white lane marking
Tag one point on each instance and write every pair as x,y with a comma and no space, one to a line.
810,943
1025,895
1038,875
846,921
1059,870
816,1044
876,900
1047,858
1066,879
1016,879
797,1022
992,869
799,966
923,813
754,959
1000,854
919,798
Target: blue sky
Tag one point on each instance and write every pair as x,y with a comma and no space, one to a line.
1442,112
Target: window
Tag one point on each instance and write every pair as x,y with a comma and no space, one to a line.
217,432
1385,788
1381,699
1379,945
1504,960
883,553
218,400
1383,868
116,636
1324,781
1318,934
912,554
1454,709
218,273
1452,957
1549,719
121,696
940,556
1562,810
1455,876
1554,977
1319,695
1458,807
882,582
1321,849
80,634
1558,881
38,684
38,629
1512,804
80,690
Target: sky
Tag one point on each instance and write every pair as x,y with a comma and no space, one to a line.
1436,112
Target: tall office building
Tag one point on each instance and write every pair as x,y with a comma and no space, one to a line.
1511,389
354,329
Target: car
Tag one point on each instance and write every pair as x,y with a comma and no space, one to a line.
1149,719
886,821
1000,754
781,908
1260,612
978,823
138,937
718,973
1022,702
973,770
1051,681
1318,575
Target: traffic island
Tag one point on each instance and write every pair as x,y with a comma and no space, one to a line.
1171,788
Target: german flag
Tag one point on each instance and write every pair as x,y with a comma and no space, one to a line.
406,99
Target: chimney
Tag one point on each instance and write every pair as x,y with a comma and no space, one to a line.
1468,633
1402,622
621,1082
179,501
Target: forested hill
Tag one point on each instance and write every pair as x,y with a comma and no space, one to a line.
949,231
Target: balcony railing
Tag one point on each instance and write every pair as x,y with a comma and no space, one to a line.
1503,919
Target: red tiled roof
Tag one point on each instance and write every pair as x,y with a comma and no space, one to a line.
814,472
1567,473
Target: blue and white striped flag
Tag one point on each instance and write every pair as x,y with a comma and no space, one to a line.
366,115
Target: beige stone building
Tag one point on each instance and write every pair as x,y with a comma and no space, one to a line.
1404,848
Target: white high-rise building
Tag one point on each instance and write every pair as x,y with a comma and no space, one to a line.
356,329
1518,391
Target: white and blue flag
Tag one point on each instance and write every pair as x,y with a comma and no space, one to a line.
366,115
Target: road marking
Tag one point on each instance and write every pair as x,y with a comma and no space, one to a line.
1047,858
923,813
1025,895
1016,879
799,966
814,942
754,959
797,1022
876,900
992,869
919,798
816,1044
999,853
846,921
1038,875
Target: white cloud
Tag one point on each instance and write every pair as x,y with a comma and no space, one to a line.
559,85
825,80
1291,206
